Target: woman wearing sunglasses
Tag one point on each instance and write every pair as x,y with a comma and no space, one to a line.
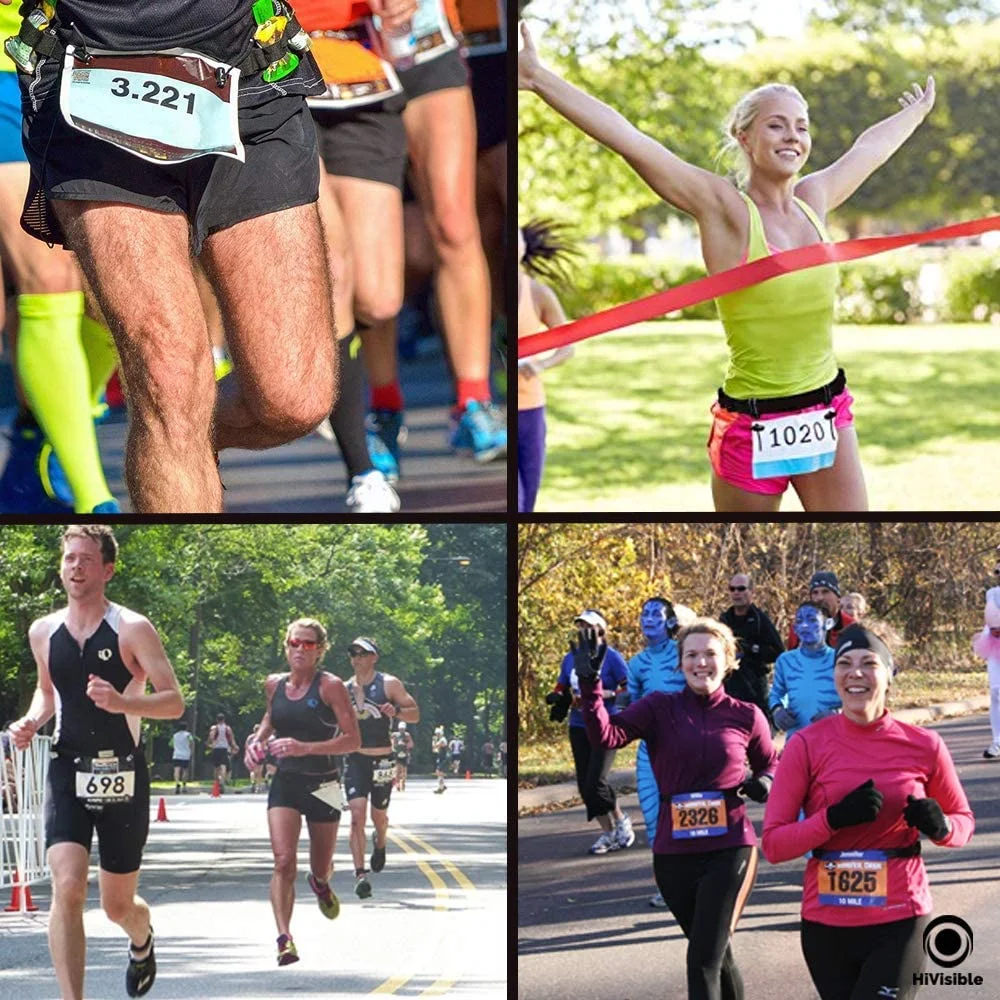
308,722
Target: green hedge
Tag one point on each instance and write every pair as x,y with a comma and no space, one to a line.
972,287
875,291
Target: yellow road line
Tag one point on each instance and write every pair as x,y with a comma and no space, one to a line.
457,874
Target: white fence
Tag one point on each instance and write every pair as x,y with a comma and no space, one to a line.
22,819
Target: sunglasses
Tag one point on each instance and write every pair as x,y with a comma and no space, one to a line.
302,643
738,588
357,651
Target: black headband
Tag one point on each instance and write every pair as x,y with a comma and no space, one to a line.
859,637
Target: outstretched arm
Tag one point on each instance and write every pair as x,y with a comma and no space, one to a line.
833,185
691,189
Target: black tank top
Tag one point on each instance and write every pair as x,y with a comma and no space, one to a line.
309,719
373,724
81,727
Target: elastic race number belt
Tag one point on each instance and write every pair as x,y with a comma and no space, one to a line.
912,851
782,404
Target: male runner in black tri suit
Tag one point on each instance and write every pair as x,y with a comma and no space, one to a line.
96,656
377,698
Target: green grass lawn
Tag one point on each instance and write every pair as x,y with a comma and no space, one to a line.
628,417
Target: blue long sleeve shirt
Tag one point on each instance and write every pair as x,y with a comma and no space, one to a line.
803,683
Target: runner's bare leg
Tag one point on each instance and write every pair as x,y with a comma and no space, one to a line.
272,280
138,263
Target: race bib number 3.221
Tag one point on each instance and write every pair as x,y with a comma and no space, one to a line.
165,107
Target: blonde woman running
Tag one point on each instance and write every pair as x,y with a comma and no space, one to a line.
783,415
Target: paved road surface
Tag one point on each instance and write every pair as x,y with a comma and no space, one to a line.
587,932
308,475
435,926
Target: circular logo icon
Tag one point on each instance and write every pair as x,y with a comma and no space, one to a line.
948,941
104,654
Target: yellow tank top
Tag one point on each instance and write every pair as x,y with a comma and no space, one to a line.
780,332
10,24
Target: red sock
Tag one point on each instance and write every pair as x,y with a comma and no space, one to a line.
387,397
472,390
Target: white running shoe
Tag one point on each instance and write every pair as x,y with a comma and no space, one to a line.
605,843
992,751
623,831
371,493
658,901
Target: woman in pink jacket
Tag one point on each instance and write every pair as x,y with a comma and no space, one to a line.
868,785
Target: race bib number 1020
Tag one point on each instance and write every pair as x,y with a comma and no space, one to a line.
164,107
793,444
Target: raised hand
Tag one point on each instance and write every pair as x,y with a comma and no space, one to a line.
588,653
923,97
527,61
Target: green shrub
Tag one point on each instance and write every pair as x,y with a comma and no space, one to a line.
879,291
972,287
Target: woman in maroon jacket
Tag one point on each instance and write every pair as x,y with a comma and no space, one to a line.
699,741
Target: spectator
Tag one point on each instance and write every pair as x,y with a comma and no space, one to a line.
855,605
488,751
824,590
758,644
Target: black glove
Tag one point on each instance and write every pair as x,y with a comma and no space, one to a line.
860,806
927,816
588,653
560,702
757,789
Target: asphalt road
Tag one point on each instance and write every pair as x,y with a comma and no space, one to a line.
586,930
308,475
436,924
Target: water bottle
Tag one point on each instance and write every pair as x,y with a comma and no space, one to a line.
400,45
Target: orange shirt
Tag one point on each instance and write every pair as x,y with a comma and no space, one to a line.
315,15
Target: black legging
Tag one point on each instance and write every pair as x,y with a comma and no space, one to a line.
592,767
706,893
865,963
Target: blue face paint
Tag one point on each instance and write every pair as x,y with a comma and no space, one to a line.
810,626
653,622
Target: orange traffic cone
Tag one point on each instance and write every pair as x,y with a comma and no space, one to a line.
15,896
161,815
468,775
216,790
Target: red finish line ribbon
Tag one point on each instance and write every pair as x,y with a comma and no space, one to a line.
714,285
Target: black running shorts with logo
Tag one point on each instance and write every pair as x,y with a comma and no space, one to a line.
214,192
358,779
369,142
121,828
295,791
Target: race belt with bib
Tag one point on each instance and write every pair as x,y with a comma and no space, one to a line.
353,70
383,772
484,28
106,779
698,814
857,878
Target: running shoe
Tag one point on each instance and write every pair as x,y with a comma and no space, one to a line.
658,901
992,751
329,905
21,488
624,833
605,843
55,483
378,854
287,952
385,432
479,431
370,493
362,887
141,973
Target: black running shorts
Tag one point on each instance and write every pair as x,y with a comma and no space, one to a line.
214,192
295,791
446,71
367,142
121,828
359,780
488,76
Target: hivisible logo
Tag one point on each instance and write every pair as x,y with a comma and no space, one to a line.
948,941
